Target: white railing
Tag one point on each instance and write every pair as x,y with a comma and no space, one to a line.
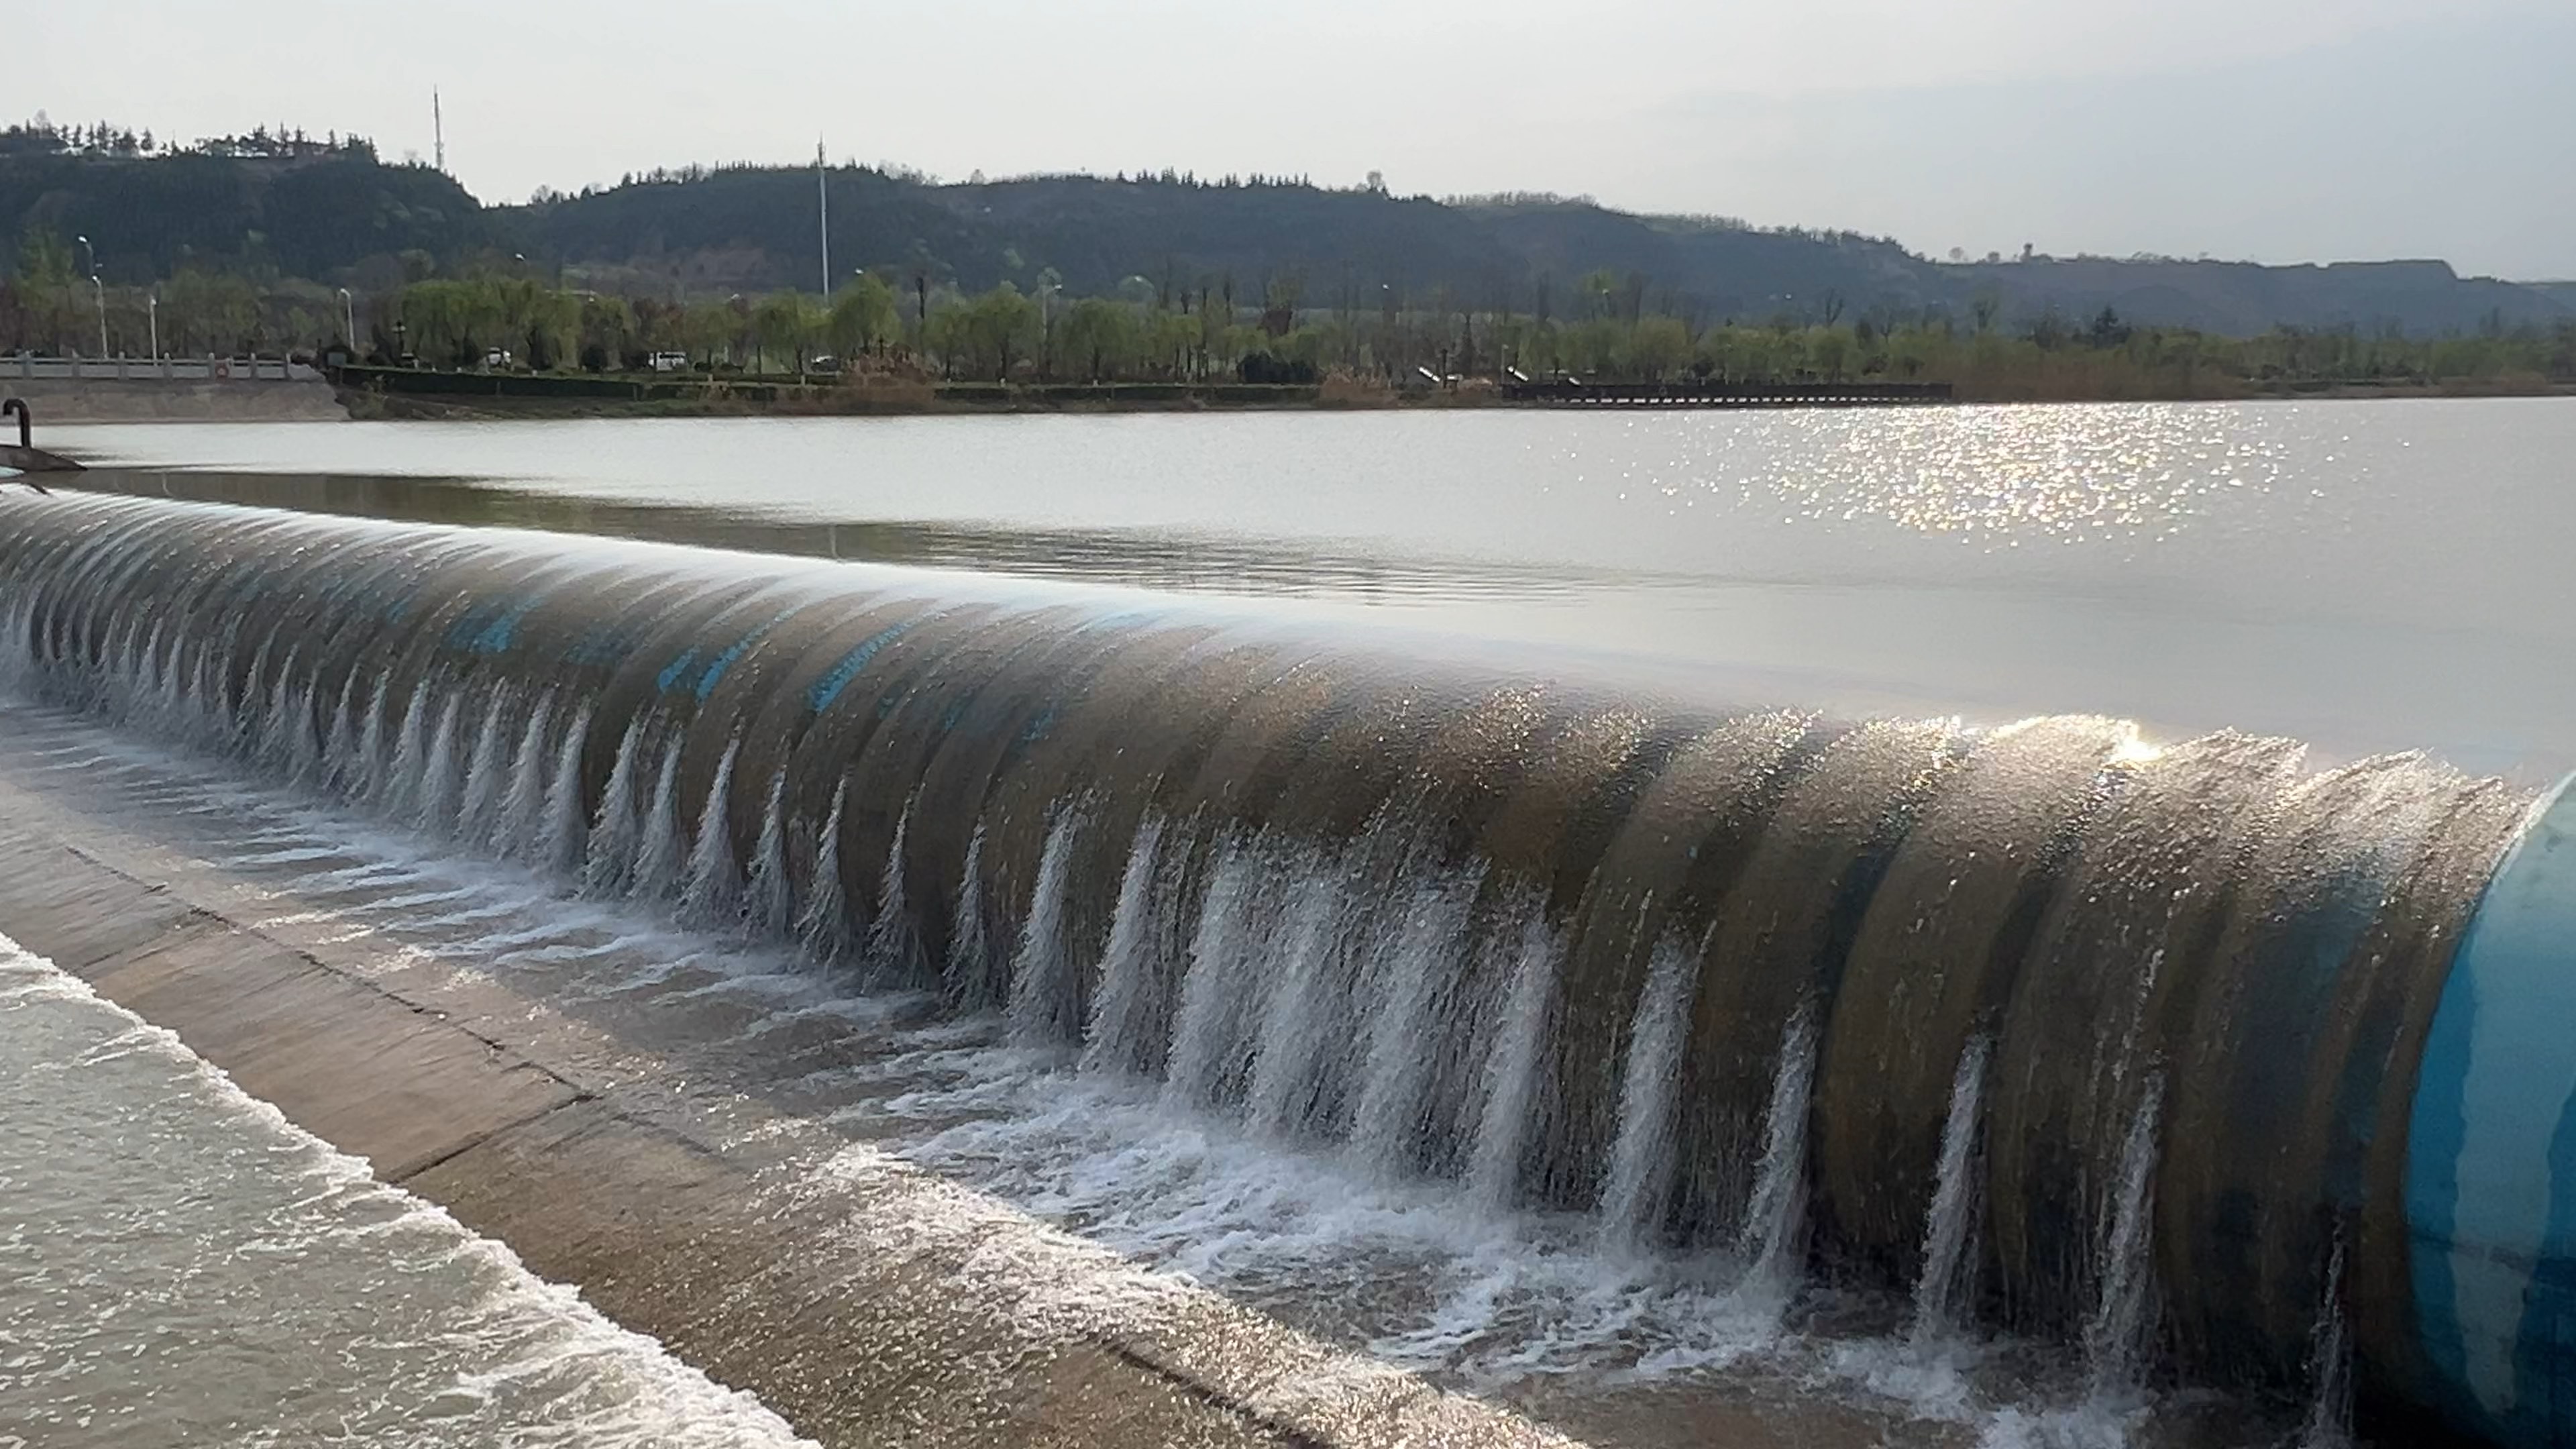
212,367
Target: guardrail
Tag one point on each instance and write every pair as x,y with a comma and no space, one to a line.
1570,392
213,367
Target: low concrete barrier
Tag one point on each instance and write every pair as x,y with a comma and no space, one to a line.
211,367
156,400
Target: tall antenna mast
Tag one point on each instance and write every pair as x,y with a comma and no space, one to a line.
823,213
437,130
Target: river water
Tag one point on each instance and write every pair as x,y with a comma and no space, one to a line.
2361,575
184,1266
2366,576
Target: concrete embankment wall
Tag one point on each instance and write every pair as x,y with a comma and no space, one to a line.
154,400
897,1309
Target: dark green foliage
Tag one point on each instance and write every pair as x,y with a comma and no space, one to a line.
1261,367
308,217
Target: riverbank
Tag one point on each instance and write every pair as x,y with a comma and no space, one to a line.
372,405
162,400
405,394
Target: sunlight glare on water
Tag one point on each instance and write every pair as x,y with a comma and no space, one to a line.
1993,476
2363,575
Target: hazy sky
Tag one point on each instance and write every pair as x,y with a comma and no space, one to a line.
2281,130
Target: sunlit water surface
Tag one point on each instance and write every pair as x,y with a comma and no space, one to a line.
2364,575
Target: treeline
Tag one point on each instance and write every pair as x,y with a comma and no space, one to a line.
463,323
1002,334
1605,329
53,302
42,137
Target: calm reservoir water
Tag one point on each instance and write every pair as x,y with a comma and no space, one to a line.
2362,575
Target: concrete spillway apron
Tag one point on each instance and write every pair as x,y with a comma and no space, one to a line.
2491,1167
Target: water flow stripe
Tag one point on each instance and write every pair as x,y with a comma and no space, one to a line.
819,697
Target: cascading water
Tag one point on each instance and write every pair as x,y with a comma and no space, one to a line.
480,809
661,859
401,784
1128,964
609,845
1641,1159
1401,1068
357,775
2115,1337
1289,1038
2329,1421
1946,1230
1041,969
822,928
2027,1020
710,896
1216,987
439,785
769,906
1776,1218
893,942
969,946
519,826
563,832
1512,1064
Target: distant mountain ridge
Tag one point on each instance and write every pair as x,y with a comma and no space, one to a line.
754,229
346,218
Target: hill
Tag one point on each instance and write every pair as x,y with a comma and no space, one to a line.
331,213
272,207
753,229
2240,298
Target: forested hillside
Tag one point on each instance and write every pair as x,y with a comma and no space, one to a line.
748,230
110,241
276,208
264,205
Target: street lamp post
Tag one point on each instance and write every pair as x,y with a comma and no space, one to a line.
349,314
1046,323
152,311
101,288
823,212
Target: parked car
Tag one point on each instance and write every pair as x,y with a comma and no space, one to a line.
670,362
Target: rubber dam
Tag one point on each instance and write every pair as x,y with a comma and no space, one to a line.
2191,1056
